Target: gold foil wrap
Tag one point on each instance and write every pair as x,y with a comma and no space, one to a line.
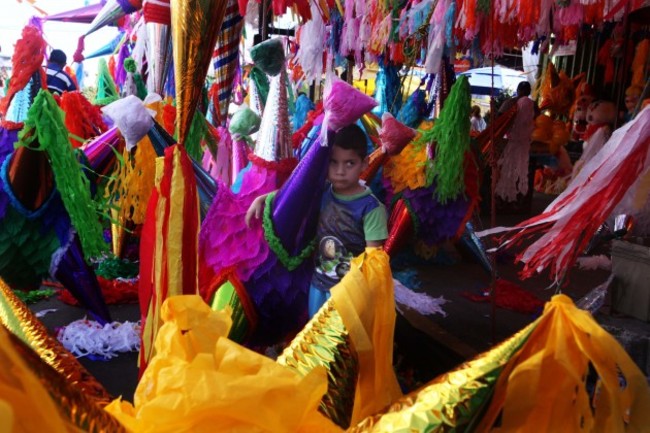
451,402
325,341
20,320
195,27
78,408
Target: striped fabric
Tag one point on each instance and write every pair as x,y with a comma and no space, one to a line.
226,59
58,81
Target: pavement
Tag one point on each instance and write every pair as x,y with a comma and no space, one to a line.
427,344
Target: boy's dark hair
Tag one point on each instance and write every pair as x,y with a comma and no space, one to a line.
58,57
353,138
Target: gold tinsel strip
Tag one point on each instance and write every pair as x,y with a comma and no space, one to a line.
20,320
325,341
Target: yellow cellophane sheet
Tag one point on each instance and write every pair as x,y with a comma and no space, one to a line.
543,389
199,381
365,301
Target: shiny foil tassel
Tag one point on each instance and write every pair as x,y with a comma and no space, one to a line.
375,160
400,227
78,408
20,320
324,341
195,27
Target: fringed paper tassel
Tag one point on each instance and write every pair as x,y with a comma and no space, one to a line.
513,164
45,124
27,59
133,85
310,49
451,134
569,222
82,119
168,248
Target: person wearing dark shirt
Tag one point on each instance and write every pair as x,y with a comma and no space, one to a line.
58,81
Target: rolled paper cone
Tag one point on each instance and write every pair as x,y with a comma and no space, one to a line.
226,59
195,27
325,341
100,151
297,202
70,268
159,54
160,138
83,15
475,247
400,227
30,177
22,322
376,159
451,402
239,157
274,137
78,408
112,11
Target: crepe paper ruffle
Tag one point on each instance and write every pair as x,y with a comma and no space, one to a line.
34,296
407,169
115,292
509,296
89,338
290,262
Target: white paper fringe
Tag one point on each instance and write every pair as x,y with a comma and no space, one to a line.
420,302
87,337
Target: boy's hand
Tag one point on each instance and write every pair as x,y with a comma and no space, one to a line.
255,210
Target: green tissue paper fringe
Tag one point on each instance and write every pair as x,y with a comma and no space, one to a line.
130,66
114,267
44,127
198,130
269,56
106,88
261,83
451,134
34,296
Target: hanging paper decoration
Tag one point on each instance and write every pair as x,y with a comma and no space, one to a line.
568,223
106,89
225,60
195,28
168,246
82,119
111,12
157,21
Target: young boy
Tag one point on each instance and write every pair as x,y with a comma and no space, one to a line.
351,217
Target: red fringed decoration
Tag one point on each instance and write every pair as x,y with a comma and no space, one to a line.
27,59
82,118
154,12
114,292
78,55
112,66
509,296
169,119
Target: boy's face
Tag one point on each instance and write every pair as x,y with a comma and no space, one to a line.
344,170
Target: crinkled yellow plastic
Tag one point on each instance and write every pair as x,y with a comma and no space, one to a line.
199,381
452,401
545,385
